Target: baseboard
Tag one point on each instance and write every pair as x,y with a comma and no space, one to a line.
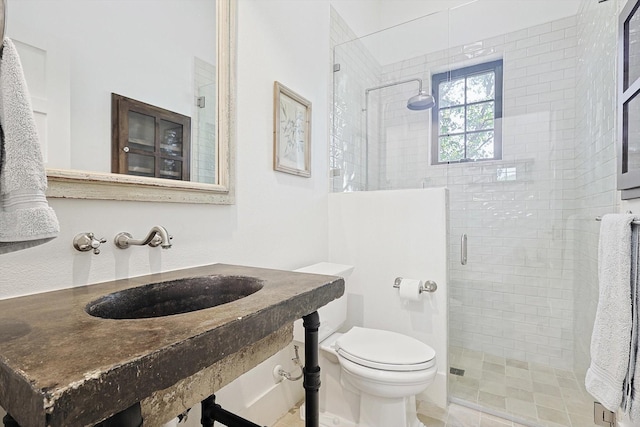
257,397
274,403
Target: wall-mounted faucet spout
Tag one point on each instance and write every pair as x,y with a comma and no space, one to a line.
158,236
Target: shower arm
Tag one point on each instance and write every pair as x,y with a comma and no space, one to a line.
395,84
401,82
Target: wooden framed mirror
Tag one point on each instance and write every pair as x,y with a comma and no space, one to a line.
88,184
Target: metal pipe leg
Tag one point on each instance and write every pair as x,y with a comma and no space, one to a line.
8,421
208,406
212,412
311,383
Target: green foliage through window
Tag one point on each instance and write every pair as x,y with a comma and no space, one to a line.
466,125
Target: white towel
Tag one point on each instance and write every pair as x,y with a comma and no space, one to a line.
631,399
630,402
26,219
611,338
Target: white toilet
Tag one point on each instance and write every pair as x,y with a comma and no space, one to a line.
369,377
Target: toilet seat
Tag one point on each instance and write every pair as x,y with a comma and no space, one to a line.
385,350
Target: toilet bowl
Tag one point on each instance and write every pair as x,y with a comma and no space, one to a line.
369,377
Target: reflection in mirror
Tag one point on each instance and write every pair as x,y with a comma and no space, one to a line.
149,141
167,53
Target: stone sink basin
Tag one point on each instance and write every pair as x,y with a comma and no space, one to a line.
173,297
166,340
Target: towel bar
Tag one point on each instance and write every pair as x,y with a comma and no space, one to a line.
635,222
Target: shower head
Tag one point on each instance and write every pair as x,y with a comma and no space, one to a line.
421,101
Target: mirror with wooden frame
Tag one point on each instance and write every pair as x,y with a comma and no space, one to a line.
77,152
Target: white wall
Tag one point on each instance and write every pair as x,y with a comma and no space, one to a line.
389,234
278,220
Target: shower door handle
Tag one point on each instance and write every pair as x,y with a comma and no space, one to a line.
463,249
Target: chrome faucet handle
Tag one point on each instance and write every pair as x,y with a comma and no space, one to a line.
85,242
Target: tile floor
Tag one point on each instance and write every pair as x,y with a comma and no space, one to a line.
431,416
532,394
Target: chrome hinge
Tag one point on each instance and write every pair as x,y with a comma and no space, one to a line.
200,102
336,68
602,416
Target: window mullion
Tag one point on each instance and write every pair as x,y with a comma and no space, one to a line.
465,118
485,101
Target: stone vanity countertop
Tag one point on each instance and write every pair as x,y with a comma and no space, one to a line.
59,366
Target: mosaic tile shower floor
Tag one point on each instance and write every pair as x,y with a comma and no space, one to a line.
534,394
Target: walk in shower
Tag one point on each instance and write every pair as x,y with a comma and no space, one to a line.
522,135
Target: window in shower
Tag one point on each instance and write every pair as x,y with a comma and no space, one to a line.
629,101
466,119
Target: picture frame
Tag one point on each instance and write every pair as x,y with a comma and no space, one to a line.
291,132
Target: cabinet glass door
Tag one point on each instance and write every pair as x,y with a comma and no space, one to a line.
171,150
141,145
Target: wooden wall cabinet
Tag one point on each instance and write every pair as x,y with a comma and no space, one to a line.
148,140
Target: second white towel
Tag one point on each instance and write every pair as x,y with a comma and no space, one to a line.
611,338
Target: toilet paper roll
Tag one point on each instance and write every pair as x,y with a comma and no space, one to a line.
410,289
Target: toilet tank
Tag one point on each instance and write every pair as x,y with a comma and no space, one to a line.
332,315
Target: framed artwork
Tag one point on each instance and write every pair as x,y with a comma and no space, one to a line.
291,132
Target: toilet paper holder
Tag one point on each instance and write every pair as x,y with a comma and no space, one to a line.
427,286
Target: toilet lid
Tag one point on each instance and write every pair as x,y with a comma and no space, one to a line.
385,350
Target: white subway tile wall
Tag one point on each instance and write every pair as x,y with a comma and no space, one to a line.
595,158
203,131
514,298
358,71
